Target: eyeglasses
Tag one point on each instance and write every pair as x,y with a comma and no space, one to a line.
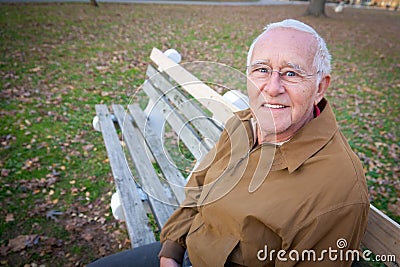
288,75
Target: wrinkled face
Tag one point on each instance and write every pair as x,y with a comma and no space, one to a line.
281,103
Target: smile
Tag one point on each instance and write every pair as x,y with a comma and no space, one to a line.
273,106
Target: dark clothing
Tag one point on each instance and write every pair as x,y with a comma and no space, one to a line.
144,256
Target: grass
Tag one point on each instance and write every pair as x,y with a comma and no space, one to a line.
58,60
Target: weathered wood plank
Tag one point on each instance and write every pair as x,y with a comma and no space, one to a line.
192,112
186,133
221,109
382,235
158,195
174,177
139,231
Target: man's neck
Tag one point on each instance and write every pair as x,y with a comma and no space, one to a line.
272,138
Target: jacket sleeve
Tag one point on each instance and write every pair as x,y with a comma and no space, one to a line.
173,234
330,235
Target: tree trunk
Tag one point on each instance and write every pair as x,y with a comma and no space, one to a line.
94,3
316,8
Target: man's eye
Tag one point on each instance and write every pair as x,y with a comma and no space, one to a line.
290,74
262,70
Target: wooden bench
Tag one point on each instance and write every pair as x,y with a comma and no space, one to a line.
196,114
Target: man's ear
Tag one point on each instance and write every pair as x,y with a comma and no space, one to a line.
322,87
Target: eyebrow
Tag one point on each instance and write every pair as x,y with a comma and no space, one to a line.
260,62
289,64
296,67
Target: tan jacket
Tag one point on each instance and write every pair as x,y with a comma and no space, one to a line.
298,199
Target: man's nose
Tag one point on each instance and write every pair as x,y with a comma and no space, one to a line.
274,85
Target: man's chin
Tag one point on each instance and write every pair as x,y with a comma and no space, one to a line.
279,133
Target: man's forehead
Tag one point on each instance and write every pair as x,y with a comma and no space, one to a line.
287,39
287,31
290,35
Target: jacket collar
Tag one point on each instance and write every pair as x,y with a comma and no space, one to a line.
309,139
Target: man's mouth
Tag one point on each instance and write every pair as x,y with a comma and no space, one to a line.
274,106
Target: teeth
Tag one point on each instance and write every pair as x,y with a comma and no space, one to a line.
273,106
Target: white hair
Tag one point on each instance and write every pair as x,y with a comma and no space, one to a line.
322,57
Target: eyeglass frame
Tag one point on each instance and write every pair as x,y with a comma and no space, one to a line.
295,68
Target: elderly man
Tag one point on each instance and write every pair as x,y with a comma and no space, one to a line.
281,187
308,197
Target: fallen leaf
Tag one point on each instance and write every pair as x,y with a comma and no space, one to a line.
102,251
22,241
10,217
36,69
4,250
87,236
88,147
31,164
395,208
5,172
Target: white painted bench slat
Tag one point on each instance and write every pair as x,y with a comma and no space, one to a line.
150,181
184,130
202,122
171,173
221,109
139,230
